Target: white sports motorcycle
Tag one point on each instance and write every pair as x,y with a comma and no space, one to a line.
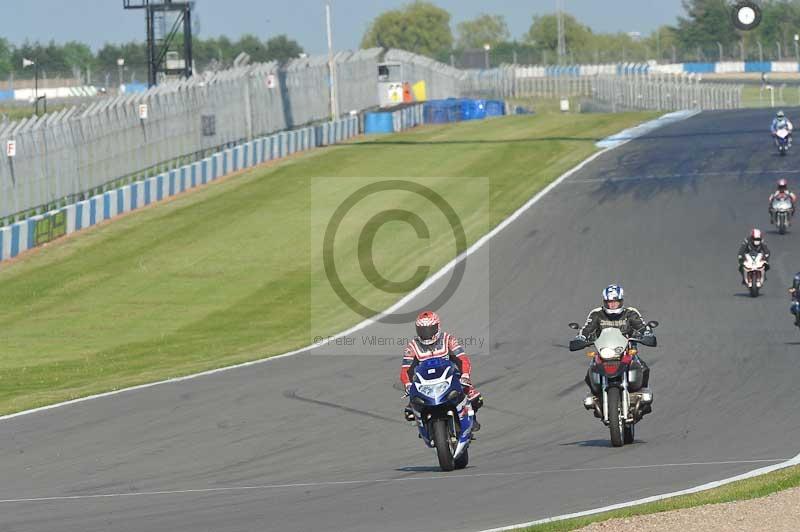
782,140
782,209
753,270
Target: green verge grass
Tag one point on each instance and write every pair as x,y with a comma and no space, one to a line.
736,491
20,112
223,275
754,96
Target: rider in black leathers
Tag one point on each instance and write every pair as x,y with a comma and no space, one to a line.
794,293
629,321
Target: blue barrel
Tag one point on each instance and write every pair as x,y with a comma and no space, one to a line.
495,108
473,109
378,123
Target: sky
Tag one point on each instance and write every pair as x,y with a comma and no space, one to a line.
96,22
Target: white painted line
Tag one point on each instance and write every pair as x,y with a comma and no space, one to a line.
643,129
428,282
703,487
456,477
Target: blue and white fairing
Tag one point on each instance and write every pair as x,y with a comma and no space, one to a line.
435,391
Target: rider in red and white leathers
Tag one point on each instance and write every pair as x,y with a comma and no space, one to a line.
783,190
431,342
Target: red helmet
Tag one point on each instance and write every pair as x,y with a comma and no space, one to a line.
755,237
427,327
782,185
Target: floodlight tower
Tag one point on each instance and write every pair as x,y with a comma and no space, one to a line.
159,42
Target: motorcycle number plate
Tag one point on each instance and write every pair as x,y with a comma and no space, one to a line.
432,370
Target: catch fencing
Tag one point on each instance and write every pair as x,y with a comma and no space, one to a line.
617,89
67,156
77,152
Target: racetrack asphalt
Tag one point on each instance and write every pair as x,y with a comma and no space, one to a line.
317,442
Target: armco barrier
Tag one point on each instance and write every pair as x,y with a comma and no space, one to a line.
41,229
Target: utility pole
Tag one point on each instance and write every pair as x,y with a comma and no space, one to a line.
562,45
331,63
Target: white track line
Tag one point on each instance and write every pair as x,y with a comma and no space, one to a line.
374,481
703,487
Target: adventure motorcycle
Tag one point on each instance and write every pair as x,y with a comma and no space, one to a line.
782,211
753,270
443,413
620,408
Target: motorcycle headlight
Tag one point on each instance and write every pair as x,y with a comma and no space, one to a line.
434,390
609,352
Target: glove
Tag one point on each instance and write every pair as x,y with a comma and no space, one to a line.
580,337
408,387
465,380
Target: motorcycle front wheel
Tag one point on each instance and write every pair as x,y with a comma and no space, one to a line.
616,420
441,438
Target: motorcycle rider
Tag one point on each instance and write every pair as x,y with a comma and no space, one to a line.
753,244
780,122
783,190
630,323
794,291
432,342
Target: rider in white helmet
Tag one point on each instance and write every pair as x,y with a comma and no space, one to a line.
780,122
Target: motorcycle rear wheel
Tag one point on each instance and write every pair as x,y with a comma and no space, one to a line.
615,419
441,438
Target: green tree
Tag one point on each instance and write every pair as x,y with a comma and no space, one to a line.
419,27
485,29
707,22
543,33
6,58
281,49
77,55
252,46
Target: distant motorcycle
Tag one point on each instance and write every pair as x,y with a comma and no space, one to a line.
444,416
782,208
782,140
621,408
753,270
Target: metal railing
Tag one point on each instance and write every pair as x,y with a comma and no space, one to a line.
77,152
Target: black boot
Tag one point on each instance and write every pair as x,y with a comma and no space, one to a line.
477,403
409,414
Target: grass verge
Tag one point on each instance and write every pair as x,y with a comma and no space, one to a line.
752,488
224,274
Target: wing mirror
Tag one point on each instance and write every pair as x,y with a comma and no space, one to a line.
652,324
574,325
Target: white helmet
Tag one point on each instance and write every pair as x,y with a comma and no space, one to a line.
612,300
